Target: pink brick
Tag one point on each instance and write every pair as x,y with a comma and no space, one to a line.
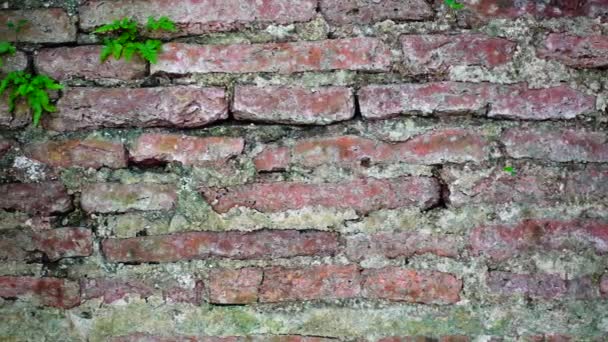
368,12
362,195
513,9
14,62
576,51
453,338
399,284
120,198
501,242
555,144
51,244
179,106
514,101
293,105
368,54
144,337
240,286
6,145
188,150
273,158
318,282
604,285
20,117
547,286
399,244
112,290
35,198
203,245
49,25
54,292
194,17
424,53
83,62
88,153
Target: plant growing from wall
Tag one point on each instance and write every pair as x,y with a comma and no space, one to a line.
125,39
453,4
8,47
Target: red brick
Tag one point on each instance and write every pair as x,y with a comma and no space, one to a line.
120,198
547,286
604,285
14,62
513,9
528,185
143,337
448,145
368,12
35,198
194,17
501,242
576,51
398,284
179,106
453,338
367,54
188,150
560,145
88,153
550,338
55,292
180,294
272,158
83,62
203,245
318,282
423,53
399,244
513,101
362,195
293,105
112,290
50,244
50,25
234,286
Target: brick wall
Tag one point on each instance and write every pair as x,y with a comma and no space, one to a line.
310,170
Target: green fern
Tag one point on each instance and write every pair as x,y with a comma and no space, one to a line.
125,39
33,88
6,48
453,4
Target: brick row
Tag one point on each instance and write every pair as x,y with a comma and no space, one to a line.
50,244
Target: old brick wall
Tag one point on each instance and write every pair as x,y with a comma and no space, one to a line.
310,170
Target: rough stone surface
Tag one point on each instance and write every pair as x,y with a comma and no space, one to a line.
93,153
180,106
43,26
14,62
52,244
293,105
35,198
368,12
83,62
235,286
576,51
285,58
546,286
120,198
55,292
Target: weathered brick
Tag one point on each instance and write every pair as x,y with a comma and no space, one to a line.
424,53
399,284
501,242
555,144
399,244
181,294
272,158
547,286
368,12
112,290
512,9
576,51
240,286
512,101
362,195
49,25
144,337
89,153
35,198
293,105
20,117
55,292
5,145
604,285
551,338
120,198
448,145
49,244
530,184
199,16
452,338
340,54
202,245
318,282
179,106
83,62
188,150
14,62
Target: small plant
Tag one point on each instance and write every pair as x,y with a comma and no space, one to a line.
453,4
34,88
8,47
510,170
126,39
